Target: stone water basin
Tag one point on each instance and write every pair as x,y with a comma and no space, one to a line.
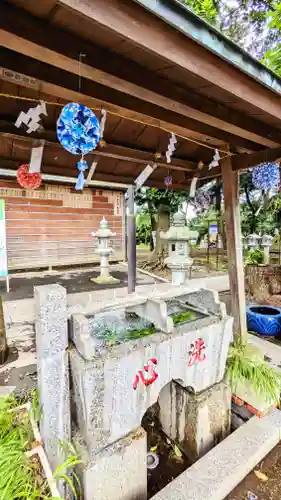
123,356
116,327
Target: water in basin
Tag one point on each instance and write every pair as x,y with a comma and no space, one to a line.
113,328
181,313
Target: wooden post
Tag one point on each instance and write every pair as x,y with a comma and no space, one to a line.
234,247
131,243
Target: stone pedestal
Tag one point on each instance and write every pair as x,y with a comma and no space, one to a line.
180,267
197,422
119,471
53,370
105,277
266,243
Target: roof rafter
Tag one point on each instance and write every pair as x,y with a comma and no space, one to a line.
130,79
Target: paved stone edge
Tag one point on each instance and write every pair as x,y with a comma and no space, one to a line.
216,474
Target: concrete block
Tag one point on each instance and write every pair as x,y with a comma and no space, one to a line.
155,311
80,335
215,475
197,422
207,300
53,386
118,472
51,319
102,385
88,400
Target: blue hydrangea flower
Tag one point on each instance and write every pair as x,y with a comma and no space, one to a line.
266,176
78,129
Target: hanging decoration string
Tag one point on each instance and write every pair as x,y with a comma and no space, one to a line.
79,71
113,113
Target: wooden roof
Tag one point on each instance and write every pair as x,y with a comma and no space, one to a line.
151,78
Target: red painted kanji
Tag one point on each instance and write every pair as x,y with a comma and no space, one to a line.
196,353
149,376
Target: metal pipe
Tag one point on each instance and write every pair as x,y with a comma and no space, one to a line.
131,245
68,180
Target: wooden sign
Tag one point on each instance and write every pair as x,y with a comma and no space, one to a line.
18,78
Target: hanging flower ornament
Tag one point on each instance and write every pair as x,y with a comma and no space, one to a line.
168,180
266,176
78,131
28,180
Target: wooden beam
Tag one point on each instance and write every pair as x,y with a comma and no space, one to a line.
120,104
134,23
234,247
133,80
11,164
66,71
116,152
242,162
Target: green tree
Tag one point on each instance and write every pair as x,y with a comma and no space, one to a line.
245,22
260,211
202,222
159,204
272,57
143,223
207,9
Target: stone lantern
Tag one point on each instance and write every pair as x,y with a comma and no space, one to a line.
253,241
178,238
266,243
104,249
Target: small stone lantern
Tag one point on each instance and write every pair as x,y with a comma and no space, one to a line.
104,235
178,237
266,243
253,241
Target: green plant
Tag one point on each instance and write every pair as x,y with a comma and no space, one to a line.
35,406
246,363
22,477
254,257
182,317
65,470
